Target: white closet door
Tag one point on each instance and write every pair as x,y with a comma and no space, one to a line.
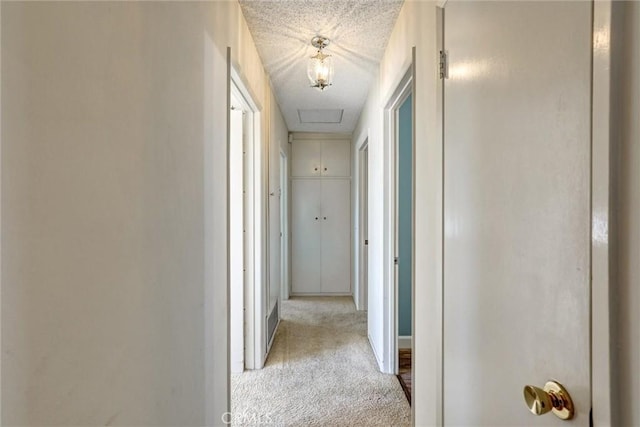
306,158
336,158
305,236
336,235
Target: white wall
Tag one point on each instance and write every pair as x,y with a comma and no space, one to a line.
114,210
369,126
626,170
416,26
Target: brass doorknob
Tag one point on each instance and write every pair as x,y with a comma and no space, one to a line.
554,397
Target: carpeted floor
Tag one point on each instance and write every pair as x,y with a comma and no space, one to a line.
321,372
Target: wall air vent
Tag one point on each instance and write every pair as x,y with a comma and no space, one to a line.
320,116
272,322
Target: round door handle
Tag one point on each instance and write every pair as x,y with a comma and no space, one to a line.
325,168
325,218
553,397
316,218
315,169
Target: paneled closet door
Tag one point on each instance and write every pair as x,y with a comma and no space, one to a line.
336,235
336,158
306,225
306,158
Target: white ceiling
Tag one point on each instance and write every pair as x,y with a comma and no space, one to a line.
359,31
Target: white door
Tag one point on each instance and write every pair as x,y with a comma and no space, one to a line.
517,209
336,235
306,242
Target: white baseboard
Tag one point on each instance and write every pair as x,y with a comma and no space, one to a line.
404,342
237,367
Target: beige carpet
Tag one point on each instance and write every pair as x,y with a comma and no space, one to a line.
321,372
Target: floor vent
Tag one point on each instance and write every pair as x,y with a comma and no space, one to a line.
272,322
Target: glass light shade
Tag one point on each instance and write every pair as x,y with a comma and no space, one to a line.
320,70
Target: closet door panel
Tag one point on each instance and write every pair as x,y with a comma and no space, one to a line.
305,236
306,158
336,235
336,158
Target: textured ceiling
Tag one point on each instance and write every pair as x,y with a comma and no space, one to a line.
359,31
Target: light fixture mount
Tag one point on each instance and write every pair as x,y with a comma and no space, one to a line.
320,65
320,42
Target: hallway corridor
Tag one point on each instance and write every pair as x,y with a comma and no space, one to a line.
321,371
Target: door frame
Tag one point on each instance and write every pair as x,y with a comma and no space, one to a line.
602,131
285,285
254,229
390,272
237,255
361,212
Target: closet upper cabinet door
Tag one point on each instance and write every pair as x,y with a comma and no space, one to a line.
336,158
305,158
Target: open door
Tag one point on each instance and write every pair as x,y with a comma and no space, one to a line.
517,105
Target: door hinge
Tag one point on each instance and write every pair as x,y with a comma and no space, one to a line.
444,64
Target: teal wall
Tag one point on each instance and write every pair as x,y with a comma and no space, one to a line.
405,232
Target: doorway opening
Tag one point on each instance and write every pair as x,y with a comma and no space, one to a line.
245,231
404,241
399,231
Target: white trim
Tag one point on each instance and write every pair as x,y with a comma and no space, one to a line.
237,241
285,281
405,342
438,292
359,291
601,132
243,83
0,218
259,242
390,315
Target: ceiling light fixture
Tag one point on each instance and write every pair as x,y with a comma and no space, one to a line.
320,66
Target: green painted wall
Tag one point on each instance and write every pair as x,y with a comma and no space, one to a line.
405,231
